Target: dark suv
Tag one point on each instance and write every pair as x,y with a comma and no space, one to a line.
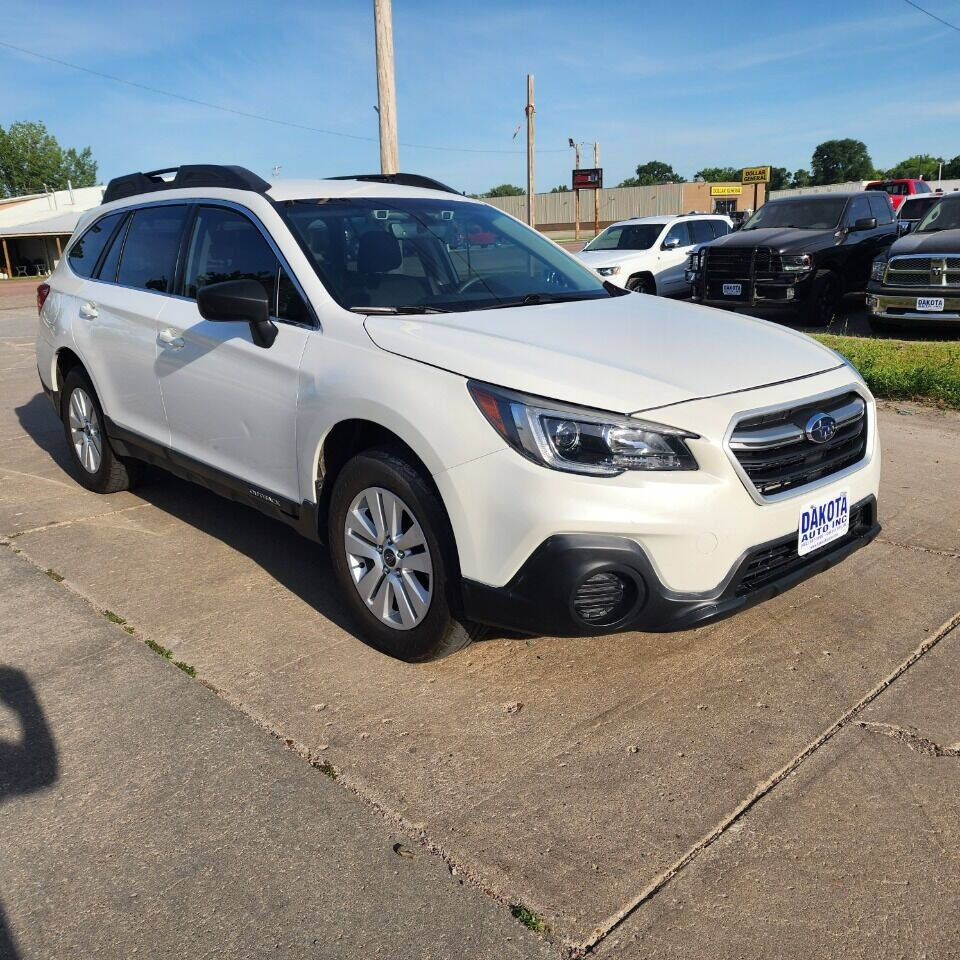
800,254
916,282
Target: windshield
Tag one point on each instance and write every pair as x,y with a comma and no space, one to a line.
944,215
914,208
410,255
812,214
629,236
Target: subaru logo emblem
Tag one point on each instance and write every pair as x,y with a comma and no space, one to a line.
820,428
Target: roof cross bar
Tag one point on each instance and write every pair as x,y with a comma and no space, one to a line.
188,175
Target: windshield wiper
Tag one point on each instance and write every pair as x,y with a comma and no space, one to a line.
397,311
533,299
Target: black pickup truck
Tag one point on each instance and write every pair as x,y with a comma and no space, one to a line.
916,283
798,254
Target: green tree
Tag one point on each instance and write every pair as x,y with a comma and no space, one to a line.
651,173
839,161
801,178
920,165
562,188
779,178
718,175
951,169
505,190
31,160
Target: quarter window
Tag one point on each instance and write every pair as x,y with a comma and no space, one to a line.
149,257
86,251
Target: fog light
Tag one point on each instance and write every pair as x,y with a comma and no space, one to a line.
605,598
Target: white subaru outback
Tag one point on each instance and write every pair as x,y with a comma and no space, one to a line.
482,435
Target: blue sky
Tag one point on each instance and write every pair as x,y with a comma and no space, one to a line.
693,83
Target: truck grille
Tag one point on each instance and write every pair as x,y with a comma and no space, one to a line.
781,558
777,455
938,271
722,265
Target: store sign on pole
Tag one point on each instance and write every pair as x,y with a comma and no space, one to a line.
588,178
755,175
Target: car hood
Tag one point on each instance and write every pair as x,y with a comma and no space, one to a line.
781,239
623,354
603,258
942,241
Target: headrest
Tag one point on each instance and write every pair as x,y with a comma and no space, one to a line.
378,252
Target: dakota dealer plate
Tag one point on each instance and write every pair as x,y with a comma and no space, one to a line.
822,522
932,304
732,289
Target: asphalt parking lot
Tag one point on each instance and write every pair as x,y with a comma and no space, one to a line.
782,784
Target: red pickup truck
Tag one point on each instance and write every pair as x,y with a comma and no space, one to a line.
898,189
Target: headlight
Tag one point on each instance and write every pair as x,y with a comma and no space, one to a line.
580,440
795,264
608,271
693,261
878,270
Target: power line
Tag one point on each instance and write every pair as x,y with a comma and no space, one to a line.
933,16
252,116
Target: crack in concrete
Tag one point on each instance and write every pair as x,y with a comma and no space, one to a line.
910,738
66,523
920,549
759,792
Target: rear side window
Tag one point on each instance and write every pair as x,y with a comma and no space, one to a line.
149,257
880,207
85,253
701,231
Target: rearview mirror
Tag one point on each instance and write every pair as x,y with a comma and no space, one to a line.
671,243
864,223
239,301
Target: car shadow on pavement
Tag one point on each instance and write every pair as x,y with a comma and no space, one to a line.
300,565
26,765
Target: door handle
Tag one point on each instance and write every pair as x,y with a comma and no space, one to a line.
167,338
88,311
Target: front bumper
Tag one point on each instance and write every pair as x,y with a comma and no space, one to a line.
777,292
900,305
541,597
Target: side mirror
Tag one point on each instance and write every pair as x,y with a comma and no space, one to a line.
239,301
905,226
863,224
671,243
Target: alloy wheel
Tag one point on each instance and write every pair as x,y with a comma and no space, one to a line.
85,430
388,558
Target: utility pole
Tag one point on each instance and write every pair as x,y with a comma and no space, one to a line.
386,86
531,196
596,190
576,191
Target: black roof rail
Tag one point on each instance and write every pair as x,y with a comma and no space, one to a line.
188,175
402,179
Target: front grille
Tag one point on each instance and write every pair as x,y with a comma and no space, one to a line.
722,265
936,271
771,563
777,455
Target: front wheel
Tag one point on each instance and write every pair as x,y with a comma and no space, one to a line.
394,559
824,301
642,285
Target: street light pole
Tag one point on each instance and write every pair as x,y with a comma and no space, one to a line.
576,190
531,196
596,190
386,85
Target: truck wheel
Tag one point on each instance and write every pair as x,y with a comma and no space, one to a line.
824,301
95,464
394,559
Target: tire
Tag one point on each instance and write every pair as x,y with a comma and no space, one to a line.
95,464
382,586
642,285
825,299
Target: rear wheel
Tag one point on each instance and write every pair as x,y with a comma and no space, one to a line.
96,466
394,559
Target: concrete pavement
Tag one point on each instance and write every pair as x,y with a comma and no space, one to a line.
624,752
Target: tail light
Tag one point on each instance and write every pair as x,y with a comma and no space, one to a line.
43,291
